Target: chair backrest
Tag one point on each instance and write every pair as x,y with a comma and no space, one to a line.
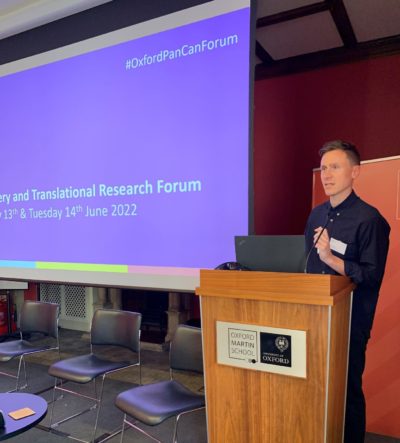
39,316
186,352
116,328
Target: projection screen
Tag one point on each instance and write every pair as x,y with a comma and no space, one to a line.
125,158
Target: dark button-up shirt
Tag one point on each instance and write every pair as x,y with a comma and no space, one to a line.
361,236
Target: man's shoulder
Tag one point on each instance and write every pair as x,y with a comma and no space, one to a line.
366,209
369,214
323,208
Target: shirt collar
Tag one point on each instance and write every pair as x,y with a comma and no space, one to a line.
349,201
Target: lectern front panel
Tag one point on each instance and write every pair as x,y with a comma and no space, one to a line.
249,405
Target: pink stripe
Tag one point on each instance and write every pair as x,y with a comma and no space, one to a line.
158,270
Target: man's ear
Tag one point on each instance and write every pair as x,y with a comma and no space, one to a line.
355,171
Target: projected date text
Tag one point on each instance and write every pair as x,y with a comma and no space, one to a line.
122,210
9,214
69,212
117,210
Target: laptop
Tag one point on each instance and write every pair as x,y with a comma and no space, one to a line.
273,253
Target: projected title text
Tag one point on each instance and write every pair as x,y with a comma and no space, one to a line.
117,209
103,190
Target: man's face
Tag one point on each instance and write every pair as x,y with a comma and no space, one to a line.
337,175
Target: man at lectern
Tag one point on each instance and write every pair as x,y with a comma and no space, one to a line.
347,236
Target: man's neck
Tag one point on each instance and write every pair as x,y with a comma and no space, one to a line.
335,200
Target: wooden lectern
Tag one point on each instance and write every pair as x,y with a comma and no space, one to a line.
255,406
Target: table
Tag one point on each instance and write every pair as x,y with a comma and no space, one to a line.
11,402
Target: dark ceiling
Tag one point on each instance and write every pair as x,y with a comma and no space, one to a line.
291,35
298,35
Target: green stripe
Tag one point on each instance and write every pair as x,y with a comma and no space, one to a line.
81,267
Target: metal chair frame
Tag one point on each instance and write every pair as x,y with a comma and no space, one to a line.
50,330
133,425
97,398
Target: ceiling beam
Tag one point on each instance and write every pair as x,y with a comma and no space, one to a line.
342,22
292,14
376,48
262,54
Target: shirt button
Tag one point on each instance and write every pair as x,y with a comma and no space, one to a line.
323,272
331,220
338,214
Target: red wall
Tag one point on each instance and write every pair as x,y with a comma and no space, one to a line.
381,381
295,114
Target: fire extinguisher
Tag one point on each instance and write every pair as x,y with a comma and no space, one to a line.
13,318
4,327
3,317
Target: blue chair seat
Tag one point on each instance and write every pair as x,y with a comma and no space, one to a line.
84,368
15,348
154,403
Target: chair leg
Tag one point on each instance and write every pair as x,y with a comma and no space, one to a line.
132,425
25,374
17,388
175,436
99,400
18,373
62,389
52,404
123,429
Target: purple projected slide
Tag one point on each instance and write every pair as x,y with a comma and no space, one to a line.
136,154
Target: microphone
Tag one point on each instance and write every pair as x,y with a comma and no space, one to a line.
315,242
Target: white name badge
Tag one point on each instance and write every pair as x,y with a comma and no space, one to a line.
338,246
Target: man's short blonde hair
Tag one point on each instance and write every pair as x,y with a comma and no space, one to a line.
350,150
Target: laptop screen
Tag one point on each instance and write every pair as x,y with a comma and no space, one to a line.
273,253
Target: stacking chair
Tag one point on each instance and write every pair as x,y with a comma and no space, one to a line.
153,403
109,328
38,319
